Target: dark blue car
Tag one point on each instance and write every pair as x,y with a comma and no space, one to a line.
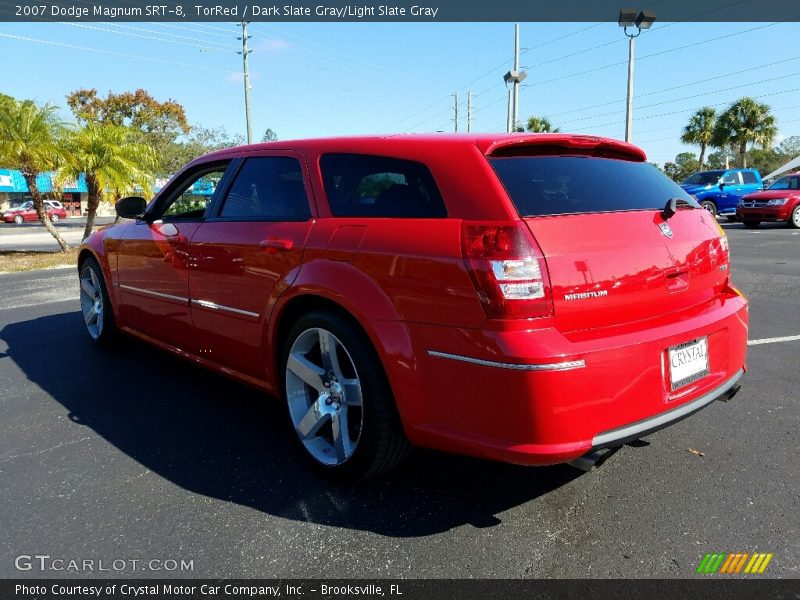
719,191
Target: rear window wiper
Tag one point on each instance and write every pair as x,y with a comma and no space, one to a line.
672,205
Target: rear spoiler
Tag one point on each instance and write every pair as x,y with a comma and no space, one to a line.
554,143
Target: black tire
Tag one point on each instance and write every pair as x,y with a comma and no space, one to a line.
794,218
106,332
732,219
382,444
710,207
751,224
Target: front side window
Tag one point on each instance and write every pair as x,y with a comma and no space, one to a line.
191,201
360,185
703,178
269,188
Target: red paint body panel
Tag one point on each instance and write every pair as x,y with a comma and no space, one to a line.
228,286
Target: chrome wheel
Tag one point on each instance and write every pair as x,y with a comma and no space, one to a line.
324,396
18,219
710,207
92,302
54,218
796,217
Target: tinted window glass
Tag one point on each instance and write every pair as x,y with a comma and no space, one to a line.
193,198
359,185
703,178
555,185
786,183
731,178
269,188
749,177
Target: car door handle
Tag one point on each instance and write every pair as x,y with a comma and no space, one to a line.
274,245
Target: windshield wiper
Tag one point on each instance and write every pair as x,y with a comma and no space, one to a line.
672,206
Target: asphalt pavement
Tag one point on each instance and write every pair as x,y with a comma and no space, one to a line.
134,455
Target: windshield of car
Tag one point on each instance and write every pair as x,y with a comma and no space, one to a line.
786,183
556,185
703,178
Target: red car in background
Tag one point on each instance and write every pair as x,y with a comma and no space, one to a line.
529,298
26,212
779,202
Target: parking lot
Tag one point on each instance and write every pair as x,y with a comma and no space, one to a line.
135,455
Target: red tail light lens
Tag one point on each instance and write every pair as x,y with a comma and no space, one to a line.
507,268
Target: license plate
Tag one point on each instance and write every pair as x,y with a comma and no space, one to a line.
688,362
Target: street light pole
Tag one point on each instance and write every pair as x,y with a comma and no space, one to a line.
640,20
514,77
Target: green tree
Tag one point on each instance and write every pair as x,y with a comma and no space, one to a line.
700,131
30,140
110,158
200,140
269,136
685,164
745,122
789,148
540,124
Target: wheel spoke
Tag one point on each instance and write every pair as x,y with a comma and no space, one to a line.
316,416
352,392
306,370
327,348
87,287
91,316
341,435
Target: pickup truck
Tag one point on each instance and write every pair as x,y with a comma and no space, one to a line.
719,191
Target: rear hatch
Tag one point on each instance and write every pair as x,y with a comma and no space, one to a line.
612,256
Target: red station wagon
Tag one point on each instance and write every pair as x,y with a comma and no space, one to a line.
533,299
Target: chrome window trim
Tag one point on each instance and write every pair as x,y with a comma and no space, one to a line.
214,306
559,366
131,288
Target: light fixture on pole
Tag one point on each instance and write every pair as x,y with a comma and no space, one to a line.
631,18
514,77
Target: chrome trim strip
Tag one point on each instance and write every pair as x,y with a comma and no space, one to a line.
559,366
130,288
648,425
215,306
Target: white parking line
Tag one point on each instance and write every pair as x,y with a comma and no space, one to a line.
775,340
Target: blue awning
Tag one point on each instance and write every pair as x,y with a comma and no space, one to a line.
12,181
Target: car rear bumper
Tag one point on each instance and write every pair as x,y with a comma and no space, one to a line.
536,396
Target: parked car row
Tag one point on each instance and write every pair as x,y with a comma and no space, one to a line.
739,195
26,212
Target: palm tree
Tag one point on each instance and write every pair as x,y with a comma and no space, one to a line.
700,131
746,122
30,140
541,125
110,158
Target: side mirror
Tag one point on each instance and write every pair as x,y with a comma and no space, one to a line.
132,207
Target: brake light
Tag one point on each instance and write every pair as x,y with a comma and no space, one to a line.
507,268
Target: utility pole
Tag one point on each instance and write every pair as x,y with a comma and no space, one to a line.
514,77
455,98
246,71
469,112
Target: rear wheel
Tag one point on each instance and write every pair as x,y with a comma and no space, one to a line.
750,224
794,219
95,305
339,400
710,207
18,219
54,217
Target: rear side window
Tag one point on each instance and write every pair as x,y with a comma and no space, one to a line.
268,188
360,185
749,177
558,185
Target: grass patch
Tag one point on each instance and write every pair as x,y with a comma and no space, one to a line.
19,260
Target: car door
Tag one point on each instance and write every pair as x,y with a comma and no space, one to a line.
245,255
731,191
153,260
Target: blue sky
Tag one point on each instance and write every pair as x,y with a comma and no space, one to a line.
311,80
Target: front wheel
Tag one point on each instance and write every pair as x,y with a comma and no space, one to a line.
794,219
750,224
710,207
339,400
95,304
18,219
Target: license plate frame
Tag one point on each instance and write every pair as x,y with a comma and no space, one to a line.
688,362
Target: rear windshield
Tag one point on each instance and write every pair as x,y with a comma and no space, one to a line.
558,185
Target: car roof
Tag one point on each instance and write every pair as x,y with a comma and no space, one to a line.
488,143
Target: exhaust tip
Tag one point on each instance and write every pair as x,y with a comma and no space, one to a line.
593,460
731,392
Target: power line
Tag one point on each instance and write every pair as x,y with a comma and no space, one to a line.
147,37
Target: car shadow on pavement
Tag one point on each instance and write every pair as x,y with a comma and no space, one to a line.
215,437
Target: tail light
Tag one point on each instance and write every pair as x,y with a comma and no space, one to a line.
507,268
